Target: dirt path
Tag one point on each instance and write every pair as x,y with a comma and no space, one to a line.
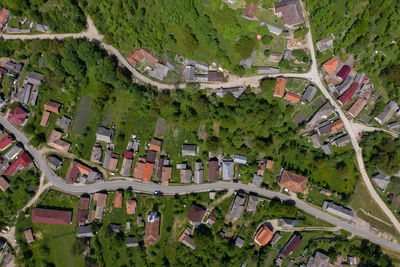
359,128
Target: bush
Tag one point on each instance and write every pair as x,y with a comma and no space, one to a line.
244,47
267,53
300,33
266,39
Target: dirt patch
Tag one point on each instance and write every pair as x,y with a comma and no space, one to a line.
202,134
248,142
107,119
178,223
3,60
161,126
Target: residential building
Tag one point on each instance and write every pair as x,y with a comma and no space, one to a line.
318,260
327,149
101,199
64,123
131,242
189,73
12,66
197,64
45,118
293,182
344,71
143,56
34,78
17,30
394,125
126,168
292,97
29,236
239,242
4,185
293,244
287,55
213,170
290,11
324,112
13,152
113,163
107,157
277,236
185,239
139,168
324,128
279,90
84,231
360,78
227,170
6,142
52,106
316,140
148,171
56,142
116,228
152,229
250,10
309,93
235,91
155,144
18,116
381,180
288,223
198,172
248,62
348,95
263,236
337,125
326,43
272,27
342,141
196,214
97,152
151,156
338,210
238,205
82,215
240,159
118,199
131,207
275,57
42,27
4,13
357,107
214,76
21,162
189,150
252,204
212,218
166,175
387,113
50,216
257,180
344,86
159,71
331,65
104,134
270,164
186,176
267,70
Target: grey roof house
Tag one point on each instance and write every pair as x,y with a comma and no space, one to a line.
327,149
84,231
326,43
342,141
387,113
64,122
394,125
54,163
324,112
237,206
240,159
318,260
257,180
309,93
272,27
235,91
42,27
227,170
198,173
104,134
239,242
97,152
338,210
189,150
316,140
341,88
34,78
381,180
287,55
267,70
288,223
131,242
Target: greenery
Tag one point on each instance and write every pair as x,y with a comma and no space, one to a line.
266,39
300,33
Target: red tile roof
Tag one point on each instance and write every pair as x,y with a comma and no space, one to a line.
51,216
263,236
294,182
294,243
342,74
83,210
45,118
196,214
4,185
270,164
139,168
250,10
23,160
17,116
56,142
291,11
52,106
166,174
101,199
3,17
131,206
214,76
292,97
280,87
357,107
139,55
337,125
29,236
72,173
348,95
155,144
331,65
128,154
5,142
213,170
112,165
148,171
152,231
118,200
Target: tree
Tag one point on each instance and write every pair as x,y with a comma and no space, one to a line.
300,33
244,46
266,39
267,53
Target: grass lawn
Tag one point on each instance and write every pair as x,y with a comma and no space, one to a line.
83,115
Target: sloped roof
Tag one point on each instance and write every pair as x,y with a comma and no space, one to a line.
331,65
291,11
292,97
51,216
17,116
357,107
118,200
155,144
131,206
348,95
23,160
101,199
344,71
5,142
213,170
280,87
148,171
263,236
152,231
3,16
196,214
52,106
294,182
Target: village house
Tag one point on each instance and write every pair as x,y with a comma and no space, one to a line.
248,62
250,10
263,236
235,91
214,76
279,90
277,236
292,97
104,134
239,159
293,182
227,170
97,152
316,140
101,201
21,162
267,70
337,126
270,164
158,69
239,242
4,13
309,94
331,65
13,152
185,238
126,168
152,229
13,66
275,57
196,214
342,141
4,185
326,43
252,204
318,260
82,215
50,216
338,210
238,205
287,55
6,142
324,112
344,86
198,172
186,176
54,162
344,71
257,180
155,144
327,149
288,223
394,125
290,11
84,231
293,244
64,123
348,95
56,142
189,150
131,206
17,30
87,175
139,168
49,107
213,170
387,113
272,27
324,128
18,116
357,107
131,242
118,199
29,91
42,27
29,236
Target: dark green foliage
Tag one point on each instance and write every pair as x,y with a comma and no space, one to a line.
300,33
301,55
267,53
266,39
245,46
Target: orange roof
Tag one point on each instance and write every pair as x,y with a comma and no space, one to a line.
263,236
101,199
294,182
52,106
270,164
280,87
155,145
139,168
83,169
152,231
112,165
331,65
3,16
336,126
166,174
4,185
130,206
292,97
29,236
118,200
56,142
148,171
357,107
139,55
45,118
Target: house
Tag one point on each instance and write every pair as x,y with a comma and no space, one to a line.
257,180
189,150
353,261
166,174
267,70
6,142
29,236
213,170
84,231
227,170
290,11
327,149
113,162
280,87
3,72
22,161
394,125
50,216
275,57
104,134
107,157
324,112
292,97
348,95
381,180
331,65
131,242
52,106
252,204
212,218
197,64
198,172
4,13
186,176
214,76
235,91
64,123
148,171
185,239
159,71
293,182
13,152
82,215
248,62
54,162
239,159
316,140
56,142
189,73
118,199
288,223
344,71
116,228
196,214
272,27
152,229
318,260
155,144
277,236
360,78
131,207
42,27
239,242
139,168
326,43
18,116
344,86
338,210
337,125
238,205
250,10
34,78
387,113
143,56
263,236
325,192
293,244
151,156
309,93
342,141
357,107
4,185
287,55
45,118
126,168
17,30
12,66
97,152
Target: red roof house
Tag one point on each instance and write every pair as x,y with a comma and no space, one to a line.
290,10
18,116
196,214
294,182
5,142
128,154
293,244
155,144
342,74
250,10
348,95
23,160
118,200
263,236
51,216
3,18
148,171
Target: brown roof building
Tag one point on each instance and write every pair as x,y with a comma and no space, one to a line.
131,207
148,171
118,200
294,182
214,76
142,55
336,126
3,18
113,163
4,185
83,210
139,168
155,144
357,107
213,170
292,97
263,236
152,229
45,118
290,10
52,106
280,87
270,164
56,142
51,216
331,65
196,214
166,174
250,10
29,236
101,199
